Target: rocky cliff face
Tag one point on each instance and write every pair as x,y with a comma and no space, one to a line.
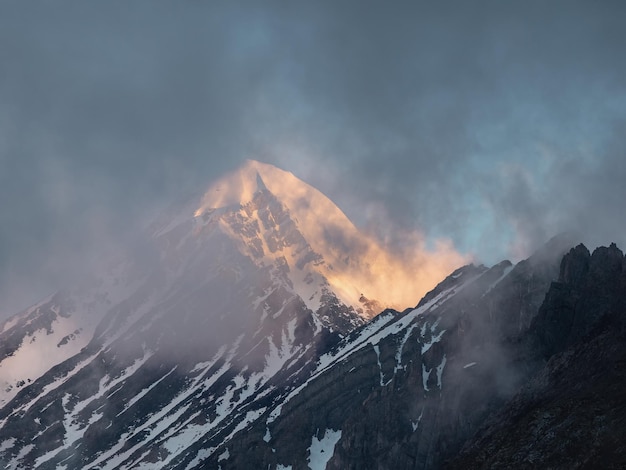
589,291
571,413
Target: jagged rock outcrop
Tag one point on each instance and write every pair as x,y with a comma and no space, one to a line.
571,413
590,287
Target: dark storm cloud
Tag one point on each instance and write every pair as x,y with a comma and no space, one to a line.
493,123
463,121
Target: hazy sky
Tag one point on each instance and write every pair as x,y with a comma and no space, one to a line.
494,124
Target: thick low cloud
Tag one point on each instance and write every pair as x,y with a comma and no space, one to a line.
493,124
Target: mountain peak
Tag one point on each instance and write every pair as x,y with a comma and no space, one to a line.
305,203
240,185
354,264
297,226
260,184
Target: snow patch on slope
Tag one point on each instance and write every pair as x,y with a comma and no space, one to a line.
321,450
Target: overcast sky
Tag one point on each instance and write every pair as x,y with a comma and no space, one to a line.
493,124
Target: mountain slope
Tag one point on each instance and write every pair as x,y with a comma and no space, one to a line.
57,328
512,367
406,390
239,300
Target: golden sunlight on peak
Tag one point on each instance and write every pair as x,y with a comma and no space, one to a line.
355,264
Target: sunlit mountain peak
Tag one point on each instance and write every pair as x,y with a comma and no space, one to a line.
358,268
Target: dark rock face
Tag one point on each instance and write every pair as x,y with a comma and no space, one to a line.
446,390
590,288
572,413
514,366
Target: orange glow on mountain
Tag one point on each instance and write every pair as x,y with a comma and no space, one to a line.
355,264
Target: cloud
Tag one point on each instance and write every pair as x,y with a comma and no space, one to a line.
494,125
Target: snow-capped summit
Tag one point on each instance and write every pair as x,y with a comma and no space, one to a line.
278,216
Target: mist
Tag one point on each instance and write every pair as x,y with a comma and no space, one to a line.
493,126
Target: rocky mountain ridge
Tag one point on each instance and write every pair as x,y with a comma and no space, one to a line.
571,413
233,308
243,346
508,367
490,363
